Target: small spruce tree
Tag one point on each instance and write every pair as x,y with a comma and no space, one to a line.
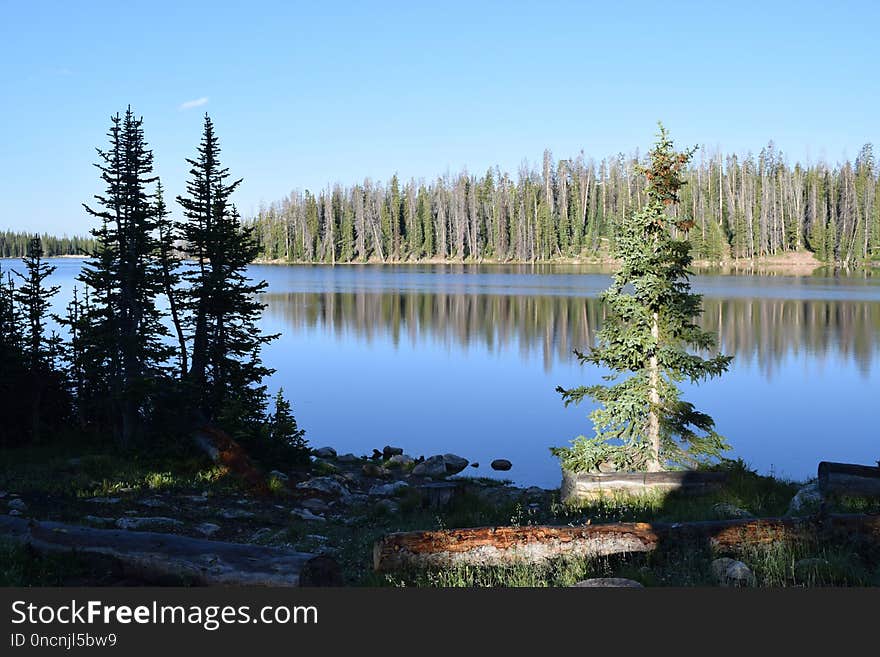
285,436
649,340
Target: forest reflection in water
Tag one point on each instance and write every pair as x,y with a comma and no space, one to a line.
763,330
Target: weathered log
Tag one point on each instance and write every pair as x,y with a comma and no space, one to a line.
168,557
586,486
846,479
498,546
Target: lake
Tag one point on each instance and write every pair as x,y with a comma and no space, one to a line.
466,359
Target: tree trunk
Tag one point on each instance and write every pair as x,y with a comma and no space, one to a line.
501,546
654,465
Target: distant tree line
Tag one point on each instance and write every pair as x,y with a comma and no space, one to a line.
732,207
15,244
128,371
760,331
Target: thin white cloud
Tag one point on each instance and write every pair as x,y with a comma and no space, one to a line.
198,102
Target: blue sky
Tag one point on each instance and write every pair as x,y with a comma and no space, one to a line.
307,94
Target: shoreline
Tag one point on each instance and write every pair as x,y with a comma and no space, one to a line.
800,263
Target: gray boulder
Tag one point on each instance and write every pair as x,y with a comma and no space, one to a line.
325,453
388,451
277,474
807,500
207,528
326,485
454,463
401,461
305,514
17,504
730,572
502,465
385,490
348,458
434,466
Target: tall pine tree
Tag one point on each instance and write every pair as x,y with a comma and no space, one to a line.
124,336
34,298
223,309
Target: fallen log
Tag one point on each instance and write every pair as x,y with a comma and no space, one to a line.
499,546
846,479
161,557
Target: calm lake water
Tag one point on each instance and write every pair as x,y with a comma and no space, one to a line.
466,359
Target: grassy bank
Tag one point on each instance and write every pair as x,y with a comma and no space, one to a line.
90,486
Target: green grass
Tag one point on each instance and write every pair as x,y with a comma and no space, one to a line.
59,470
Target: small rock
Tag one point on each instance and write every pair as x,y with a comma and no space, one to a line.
317,537
387,506
17,505
726,510
454,463
326,485
400,460
104,500
305,514
730,572
153,502
806,500
373,470
325,453
148,524
262,535
607,582
207,528
315,505
432,467
377,455
355,499
502,465
235,514
277,474
388,489
348,458
475,465
99,521
388,451
14,512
